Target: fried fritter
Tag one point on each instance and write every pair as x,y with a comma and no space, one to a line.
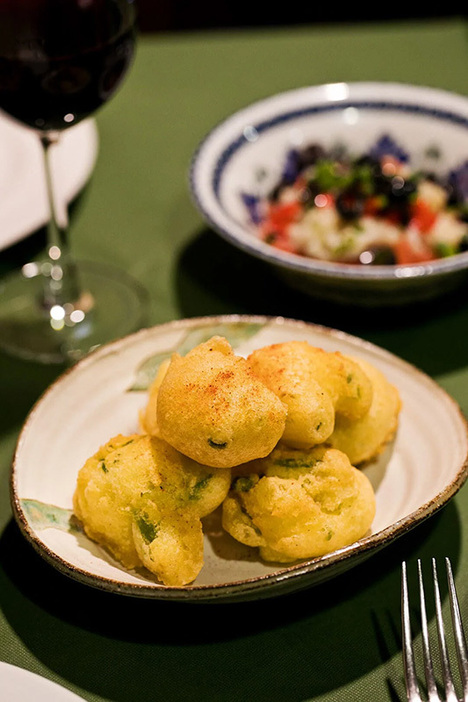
315,385
297,504
148,416
143,501
169,544
103,498
212,408
364,439
344,380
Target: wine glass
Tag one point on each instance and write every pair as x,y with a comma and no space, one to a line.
60,60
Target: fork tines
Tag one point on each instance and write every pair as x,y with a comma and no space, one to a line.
412,686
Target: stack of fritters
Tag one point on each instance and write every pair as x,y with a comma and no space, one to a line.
273,438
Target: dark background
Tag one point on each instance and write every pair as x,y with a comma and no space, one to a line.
186,15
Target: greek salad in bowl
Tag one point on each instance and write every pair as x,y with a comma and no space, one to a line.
369,209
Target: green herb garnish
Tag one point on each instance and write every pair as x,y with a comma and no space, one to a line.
296,462
147,528
244,483
199,487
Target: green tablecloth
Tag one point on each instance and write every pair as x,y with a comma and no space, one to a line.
339,641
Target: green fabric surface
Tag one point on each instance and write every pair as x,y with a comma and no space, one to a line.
334,643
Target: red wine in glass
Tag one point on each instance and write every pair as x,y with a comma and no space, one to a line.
60,61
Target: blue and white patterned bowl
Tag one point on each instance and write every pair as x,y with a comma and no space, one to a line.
242,158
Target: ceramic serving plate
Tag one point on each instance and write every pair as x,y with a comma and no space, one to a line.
20,685
242,159
23,203
101,396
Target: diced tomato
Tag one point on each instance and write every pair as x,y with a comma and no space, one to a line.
406,253
423,216
274,229
282,215
284,245
278,239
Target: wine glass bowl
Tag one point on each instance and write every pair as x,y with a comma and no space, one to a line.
59,63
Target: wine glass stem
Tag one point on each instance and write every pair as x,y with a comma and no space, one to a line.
61,282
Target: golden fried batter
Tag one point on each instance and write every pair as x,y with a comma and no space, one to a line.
212,408
364,439
274,438
169,544
298,504
148,417
143,501
343,379
315,385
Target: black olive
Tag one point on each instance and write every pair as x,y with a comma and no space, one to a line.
382,185
401,189
276,192
308,194
370,161
349,204
433,178
398,193
463,245
455,197
310,155
378,256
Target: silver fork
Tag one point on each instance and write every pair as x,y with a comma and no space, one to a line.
412,687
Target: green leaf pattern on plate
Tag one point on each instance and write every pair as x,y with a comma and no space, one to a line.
234,333
44,516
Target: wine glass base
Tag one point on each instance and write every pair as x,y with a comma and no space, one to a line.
112,305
